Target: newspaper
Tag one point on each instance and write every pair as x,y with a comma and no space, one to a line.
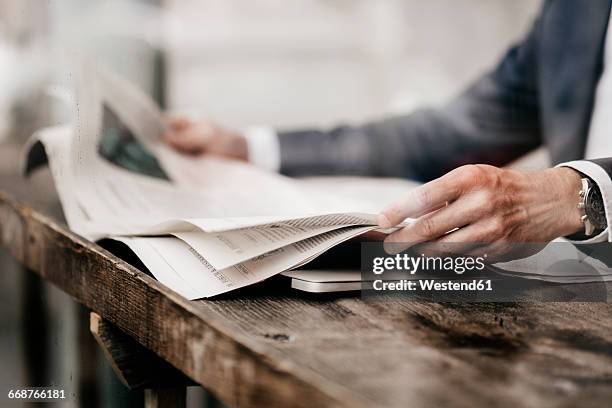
205,226
202,226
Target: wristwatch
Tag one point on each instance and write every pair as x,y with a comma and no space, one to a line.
591,204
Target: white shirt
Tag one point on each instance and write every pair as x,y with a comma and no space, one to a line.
264,147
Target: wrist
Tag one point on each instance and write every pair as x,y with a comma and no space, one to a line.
570,215
240,147
232,145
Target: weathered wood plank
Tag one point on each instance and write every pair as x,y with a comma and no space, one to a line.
135,366
278,348
238,369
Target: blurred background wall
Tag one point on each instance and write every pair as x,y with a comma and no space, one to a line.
305,62
280,62
286,63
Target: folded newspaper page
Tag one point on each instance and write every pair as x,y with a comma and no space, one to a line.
202,226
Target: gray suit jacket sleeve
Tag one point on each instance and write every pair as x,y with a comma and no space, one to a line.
493,121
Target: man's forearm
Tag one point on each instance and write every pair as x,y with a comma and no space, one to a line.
422,146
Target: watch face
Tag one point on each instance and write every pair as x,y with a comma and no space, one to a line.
595,209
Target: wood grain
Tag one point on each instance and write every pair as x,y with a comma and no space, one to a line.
135,366
237,368
268,346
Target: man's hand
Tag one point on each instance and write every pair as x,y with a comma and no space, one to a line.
205,137
490,206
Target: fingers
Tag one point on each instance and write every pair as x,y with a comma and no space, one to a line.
435,224
473,240
187,136
178,123
476,233
424,199
190,140
467,240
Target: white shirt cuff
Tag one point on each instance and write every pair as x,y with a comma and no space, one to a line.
601,178
263,147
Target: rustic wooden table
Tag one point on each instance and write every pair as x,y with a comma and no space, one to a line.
273,347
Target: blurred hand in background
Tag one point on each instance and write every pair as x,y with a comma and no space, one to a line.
205,137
